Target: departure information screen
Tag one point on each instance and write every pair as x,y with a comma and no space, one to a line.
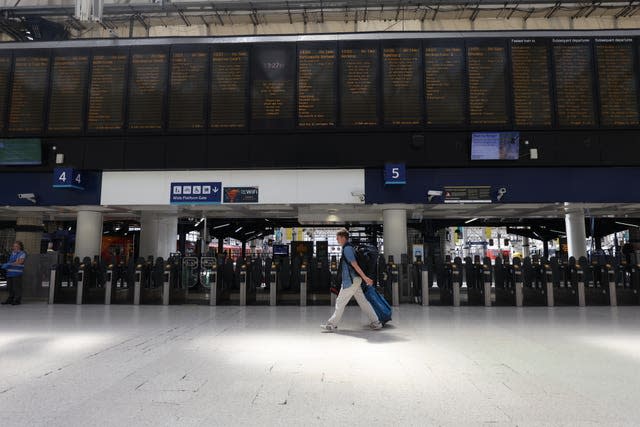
107,91
317,90
574,82
402,86
461,84
5,69
444,76
617,85
359,86
188,90
531,83
487,88
273,87
229,80
147,88
28,93
69,76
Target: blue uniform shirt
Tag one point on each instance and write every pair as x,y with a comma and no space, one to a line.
348,256
15,270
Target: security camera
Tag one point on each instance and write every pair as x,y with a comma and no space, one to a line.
433,193
358,194
27,196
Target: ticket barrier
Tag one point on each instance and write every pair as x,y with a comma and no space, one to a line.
118,284
474,273
209,279
534,288
444,281
247,293
596,284
565,288
93,284
627,283
66,282
273,285
394,273
505,283
333,271
456,281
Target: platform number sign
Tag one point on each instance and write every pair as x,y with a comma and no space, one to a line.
395,173
68,178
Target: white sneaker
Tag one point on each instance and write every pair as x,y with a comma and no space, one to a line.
375,325
328,327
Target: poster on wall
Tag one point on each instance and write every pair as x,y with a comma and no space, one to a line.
240,195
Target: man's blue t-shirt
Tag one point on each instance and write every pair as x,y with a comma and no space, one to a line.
348,256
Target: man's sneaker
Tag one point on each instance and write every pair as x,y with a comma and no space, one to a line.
328,327
375,325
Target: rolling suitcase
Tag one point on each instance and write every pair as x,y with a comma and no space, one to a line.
379,304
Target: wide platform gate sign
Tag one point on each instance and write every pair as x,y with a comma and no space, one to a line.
194,193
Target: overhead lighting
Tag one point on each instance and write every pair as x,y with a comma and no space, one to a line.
221,226
238,229
199,222
627,224
471,220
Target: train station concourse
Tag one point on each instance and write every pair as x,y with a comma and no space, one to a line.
321,213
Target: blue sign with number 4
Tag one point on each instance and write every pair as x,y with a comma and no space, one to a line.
68,178
395,173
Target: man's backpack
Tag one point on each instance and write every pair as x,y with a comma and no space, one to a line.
367,258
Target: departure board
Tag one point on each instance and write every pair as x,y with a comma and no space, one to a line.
28,93
531,83
359,86
317,86
107,91
487,92
68,87
188,90
444,84
574,82
147,87
5,69
229,79
401,75
273,71
617,82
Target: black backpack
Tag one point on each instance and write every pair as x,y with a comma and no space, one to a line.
367,258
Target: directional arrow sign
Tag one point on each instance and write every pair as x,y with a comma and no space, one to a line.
195,193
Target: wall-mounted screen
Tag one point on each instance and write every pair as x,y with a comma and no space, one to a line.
495,146
20,152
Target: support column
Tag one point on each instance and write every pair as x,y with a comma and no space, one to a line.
88,234
576,234
29,231
525,247
158,234
395,233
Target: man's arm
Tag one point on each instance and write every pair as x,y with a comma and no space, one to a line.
19,261
358,270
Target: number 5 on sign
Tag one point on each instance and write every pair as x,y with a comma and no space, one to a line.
395,173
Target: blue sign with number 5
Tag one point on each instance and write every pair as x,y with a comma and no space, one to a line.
395,173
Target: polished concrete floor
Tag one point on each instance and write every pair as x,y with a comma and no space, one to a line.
68,365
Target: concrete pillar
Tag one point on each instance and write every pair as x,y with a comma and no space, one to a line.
88,234
395,233
29,231
158,234
576,234
525,247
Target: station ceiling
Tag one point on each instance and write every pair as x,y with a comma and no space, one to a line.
261,13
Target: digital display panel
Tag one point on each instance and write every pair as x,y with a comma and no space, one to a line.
401,71
531,83
188,90
147,88
68,87
317,65
359,73
28,93
107,91
495,146
229,80
487,90
574,82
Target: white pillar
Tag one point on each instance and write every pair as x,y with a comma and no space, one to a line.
88,234
395,233
576,234
525,247
158,234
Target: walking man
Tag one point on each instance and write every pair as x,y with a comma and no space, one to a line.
352,278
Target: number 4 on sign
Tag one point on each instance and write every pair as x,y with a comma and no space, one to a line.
78,178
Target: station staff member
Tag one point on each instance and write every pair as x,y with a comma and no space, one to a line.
15,268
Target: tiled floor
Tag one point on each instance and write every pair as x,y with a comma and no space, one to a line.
68,365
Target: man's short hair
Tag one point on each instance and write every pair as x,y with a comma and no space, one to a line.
343,232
